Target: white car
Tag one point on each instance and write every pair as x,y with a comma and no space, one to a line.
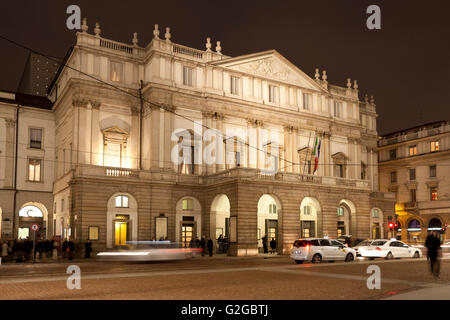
362,245
389,249
321,249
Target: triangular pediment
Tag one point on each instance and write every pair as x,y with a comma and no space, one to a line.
272,66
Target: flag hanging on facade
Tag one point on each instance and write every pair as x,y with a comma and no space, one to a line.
316,159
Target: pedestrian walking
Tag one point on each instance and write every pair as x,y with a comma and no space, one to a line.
273,245
433,244
203,245
87,249
210,247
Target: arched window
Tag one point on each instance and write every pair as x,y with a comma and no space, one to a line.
340,212
188,204
121,202
31,212
307,210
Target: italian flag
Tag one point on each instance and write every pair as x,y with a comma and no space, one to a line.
316,155
314,151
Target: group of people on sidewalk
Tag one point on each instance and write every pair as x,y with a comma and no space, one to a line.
21,250
266,244
207,246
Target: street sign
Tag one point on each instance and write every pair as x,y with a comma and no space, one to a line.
34,227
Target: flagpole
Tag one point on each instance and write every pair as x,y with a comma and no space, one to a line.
307,149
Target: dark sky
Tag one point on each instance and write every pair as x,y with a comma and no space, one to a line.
405,65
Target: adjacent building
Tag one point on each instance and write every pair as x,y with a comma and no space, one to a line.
166,141
415,164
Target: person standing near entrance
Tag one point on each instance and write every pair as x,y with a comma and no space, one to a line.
210,247
88,249
264,242
433,244
273,245
203,245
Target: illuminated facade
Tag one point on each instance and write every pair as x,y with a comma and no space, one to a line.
115,175
415,164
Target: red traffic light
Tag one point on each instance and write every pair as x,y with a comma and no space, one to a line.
391,225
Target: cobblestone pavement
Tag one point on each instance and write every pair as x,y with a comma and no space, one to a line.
204,278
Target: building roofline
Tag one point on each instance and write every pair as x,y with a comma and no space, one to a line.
415,128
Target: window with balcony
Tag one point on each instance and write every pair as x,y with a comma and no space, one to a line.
433,171
307,99
35,138
412,150
434,146
121,202
116,71
114,144
235,85
412,195
337,109
273,94
393,176
433,194
34,170
187,76
412,174
392,154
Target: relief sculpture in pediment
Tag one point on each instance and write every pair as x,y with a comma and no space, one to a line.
266,67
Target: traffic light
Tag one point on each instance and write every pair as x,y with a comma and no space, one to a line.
391,226
396,226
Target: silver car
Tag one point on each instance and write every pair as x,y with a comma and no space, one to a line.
317,250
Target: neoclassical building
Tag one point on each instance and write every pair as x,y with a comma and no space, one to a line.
167,141
414,163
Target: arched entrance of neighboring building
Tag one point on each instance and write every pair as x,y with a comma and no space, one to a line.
121,220
32,213
309,209
345,212
435,224
269,208
414,230
376,224
188,220
220,217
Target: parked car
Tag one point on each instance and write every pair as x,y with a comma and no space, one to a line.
321,249
389,249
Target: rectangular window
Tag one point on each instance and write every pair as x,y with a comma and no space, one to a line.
307,210
363,171
394,176
187,76
62,205
34,170
412,174
393,154
412,150
434,146
116,71
412,193
337,109
273,94
272,208
235,85
36,138
340,212
187,204
433,194
339,170
307,101
433,171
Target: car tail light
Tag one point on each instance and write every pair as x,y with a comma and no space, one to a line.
378,249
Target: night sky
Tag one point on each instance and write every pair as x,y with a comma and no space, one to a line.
405,65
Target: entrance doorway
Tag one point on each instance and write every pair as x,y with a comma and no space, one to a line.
121,230
272,231
376,231
187,232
